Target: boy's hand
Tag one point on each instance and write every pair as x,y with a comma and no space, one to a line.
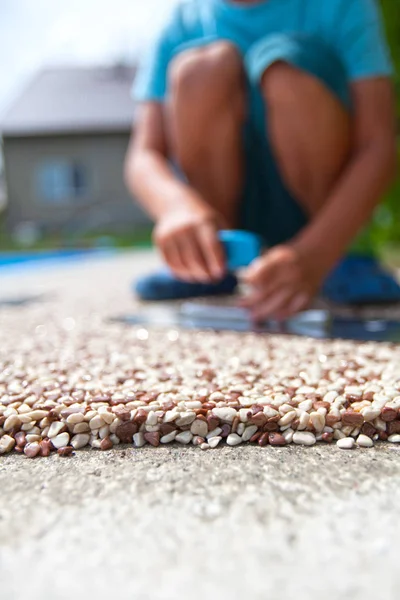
188,240
283,284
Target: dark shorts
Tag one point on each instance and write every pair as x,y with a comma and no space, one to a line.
267,207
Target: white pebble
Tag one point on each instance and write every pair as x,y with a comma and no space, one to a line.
287,418
185,437
205,446
364,441
233,439
394,438
288,435
249,432
226,414
346,443
304,438
185,418
80,440
55,429
317,421
138,439
199,427
168,438
60,440
7,443
214,433
96,422
213,443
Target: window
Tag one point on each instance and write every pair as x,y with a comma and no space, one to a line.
61,182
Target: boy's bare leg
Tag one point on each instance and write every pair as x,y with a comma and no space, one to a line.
310,132
206,111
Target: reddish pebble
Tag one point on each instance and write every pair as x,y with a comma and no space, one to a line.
276,439
152,437
65,451
255,437
20,439
263,440
32,450
126,431
388,414
368,430
45,448
212,422
106,444
226,430
350,417
393,427
327,437
259,419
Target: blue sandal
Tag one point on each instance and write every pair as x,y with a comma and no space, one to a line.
361,280
163,285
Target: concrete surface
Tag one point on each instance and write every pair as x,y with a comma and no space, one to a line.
171,523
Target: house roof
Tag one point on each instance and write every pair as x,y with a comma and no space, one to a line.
73,100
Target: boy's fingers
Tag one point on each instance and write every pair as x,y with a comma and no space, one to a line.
212,251
296,304
261,270
172,257
261,294
272,305
194,259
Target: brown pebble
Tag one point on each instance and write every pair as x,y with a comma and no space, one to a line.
383,436
255,409
126,431
327,437
166,428
32,450
331,420
276,439
153,437
213,422
45,447
2,420
226,430
255,437
368,430
368,396
263,439
65,451
235,424
140,418
271,426
258,419
20,439
321,404
388,414
393,427
350,417
124,415
209,406
106,444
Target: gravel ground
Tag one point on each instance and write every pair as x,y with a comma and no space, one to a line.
161,523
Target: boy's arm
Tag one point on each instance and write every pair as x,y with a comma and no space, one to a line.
371,169
186,227
288,276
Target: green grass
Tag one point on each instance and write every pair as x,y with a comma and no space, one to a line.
139,238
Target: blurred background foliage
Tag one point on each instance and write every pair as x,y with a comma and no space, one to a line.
385,227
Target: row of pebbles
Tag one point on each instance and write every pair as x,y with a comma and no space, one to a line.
61,393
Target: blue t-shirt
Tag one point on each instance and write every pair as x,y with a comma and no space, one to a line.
352,28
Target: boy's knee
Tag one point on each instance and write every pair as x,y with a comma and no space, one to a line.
206,73
283,83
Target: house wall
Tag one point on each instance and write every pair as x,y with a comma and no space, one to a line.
106,206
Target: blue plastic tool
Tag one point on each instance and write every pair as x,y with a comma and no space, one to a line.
241,247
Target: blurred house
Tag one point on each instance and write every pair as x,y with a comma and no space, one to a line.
64,142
